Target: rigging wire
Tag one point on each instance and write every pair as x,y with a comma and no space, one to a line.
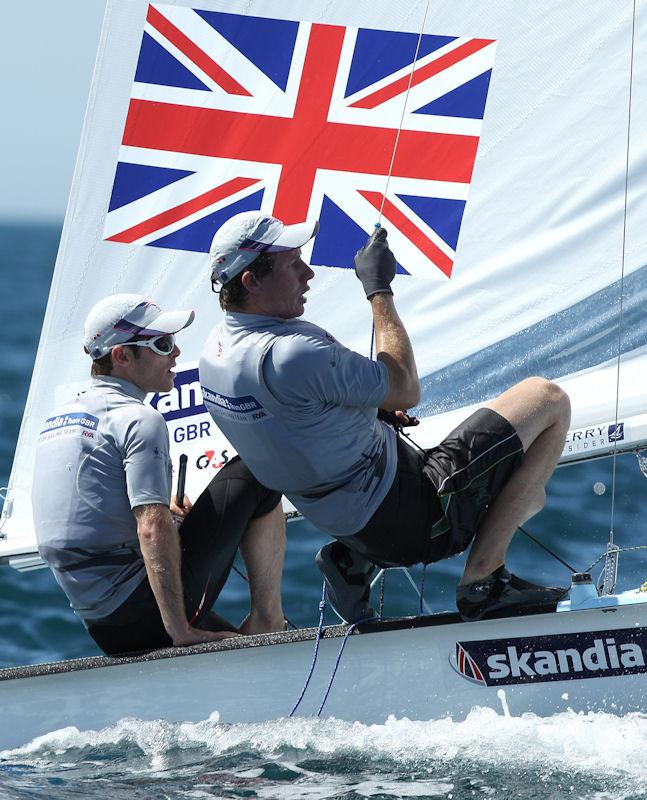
612,550
397,139
404,108
620,550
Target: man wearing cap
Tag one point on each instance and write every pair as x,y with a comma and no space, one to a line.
301,409
101,492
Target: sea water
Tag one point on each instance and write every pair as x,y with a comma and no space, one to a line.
488,755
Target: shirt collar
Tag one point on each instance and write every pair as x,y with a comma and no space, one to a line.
124,386
240,318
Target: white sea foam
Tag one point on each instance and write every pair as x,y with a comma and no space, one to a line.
594,742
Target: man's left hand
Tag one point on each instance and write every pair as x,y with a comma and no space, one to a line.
406,420
180,510
398,419
375,265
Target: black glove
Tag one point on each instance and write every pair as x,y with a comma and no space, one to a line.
397,419
375,265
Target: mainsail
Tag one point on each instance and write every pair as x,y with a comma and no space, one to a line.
504,150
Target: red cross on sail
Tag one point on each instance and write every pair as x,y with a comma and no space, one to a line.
305,144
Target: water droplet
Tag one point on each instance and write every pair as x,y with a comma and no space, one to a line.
504,702
599,487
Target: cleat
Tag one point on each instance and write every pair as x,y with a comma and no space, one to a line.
347,575
500,590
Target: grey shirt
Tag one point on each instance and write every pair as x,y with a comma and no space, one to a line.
300,408
97,458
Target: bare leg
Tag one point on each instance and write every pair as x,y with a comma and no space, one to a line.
540,413
263,549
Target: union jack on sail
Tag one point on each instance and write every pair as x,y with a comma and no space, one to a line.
220,123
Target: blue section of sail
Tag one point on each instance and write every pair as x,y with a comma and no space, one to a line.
133,181
267,43
580,337
381,53
198,235
157,65
467,100
339,227
443,216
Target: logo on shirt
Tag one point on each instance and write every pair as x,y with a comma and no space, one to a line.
77,423
245,409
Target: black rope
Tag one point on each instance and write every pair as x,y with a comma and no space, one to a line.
408,436
547,549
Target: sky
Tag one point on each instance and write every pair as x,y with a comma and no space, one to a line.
47,55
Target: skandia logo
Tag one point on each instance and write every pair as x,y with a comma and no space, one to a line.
66,420
551,658
241,405
245,410
184,399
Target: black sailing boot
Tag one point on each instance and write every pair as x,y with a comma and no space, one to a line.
348,581
500,590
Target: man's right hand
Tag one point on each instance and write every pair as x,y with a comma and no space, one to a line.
196,636
375,265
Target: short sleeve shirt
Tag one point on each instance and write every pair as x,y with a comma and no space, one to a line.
301,410
98,458
330,395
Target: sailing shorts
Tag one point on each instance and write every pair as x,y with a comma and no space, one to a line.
439,496
210,535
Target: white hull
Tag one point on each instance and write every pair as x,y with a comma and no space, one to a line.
392,668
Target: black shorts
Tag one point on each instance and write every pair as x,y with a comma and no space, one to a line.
439,496
210,536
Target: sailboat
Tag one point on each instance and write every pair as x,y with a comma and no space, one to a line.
506,154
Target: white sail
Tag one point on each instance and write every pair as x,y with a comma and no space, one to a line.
518,235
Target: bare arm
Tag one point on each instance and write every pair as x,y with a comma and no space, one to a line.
375,266
395,351
160,546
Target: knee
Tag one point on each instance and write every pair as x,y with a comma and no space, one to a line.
551,396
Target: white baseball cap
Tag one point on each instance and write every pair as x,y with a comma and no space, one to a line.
245,236
121,318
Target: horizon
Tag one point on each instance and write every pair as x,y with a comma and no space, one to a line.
50,65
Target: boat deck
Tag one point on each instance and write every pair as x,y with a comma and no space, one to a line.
259,640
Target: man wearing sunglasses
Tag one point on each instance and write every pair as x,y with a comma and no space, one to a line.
101,492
